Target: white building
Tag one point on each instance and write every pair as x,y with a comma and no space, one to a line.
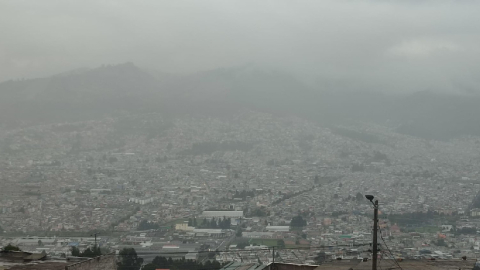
221,214
216,233
278,228
183,227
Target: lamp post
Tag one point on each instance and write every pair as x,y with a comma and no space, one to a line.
95,234
375,230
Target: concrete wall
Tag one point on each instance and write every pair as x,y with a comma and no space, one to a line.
104,262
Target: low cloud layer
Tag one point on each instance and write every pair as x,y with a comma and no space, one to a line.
397,46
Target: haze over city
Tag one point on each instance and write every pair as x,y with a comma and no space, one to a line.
239,134
376,45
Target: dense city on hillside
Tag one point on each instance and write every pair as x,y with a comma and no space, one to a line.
239,135
202,187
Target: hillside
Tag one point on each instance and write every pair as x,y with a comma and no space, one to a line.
76,96
90,94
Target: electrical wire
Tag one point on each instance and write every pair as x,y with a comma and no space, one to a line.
393,257
278,248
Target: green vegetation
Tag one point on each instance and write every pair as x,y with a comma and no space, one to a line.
427,229
243,242
476,201
440,243
11,247
259,212
290,195
266,242
129,260
418,218
224,223
297,222
466,230
173,222
320,258
89,252
244,194
168,263
147,225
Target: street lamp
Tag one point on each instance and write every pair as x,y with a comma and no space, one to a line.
95,234
375,229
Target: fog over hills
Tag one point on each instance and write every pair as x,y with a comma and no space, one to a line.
87,94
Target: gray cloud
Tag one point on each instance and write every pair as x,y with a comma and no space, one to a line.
385,45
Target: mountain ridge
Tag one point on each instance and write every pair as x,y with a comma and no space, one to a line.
93,93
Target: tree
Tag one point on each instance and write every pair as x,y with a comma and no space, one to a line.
91,252
213,223
147,225
281,243
441,242
320,258
239,233
75,252
211,255
129,260
259,212
359,196
298,221
242,245
40,244
11,247
181,264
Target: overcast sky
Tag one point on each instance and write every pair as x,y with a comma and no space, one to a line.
388,45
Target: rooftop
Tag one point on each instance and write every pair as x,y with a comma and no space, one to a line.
406,265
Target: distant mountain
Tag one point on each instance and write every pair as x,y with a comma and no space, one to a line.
437,116
93,93
246,86
79,95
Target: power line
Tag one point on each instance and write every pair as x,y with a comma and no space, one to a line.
393,257
251,250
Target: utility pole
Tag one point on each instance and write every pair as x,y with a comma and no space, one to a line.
95,234
375,230
273,259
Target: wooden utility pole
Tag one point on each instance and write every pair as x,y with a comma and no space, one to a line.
375,230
